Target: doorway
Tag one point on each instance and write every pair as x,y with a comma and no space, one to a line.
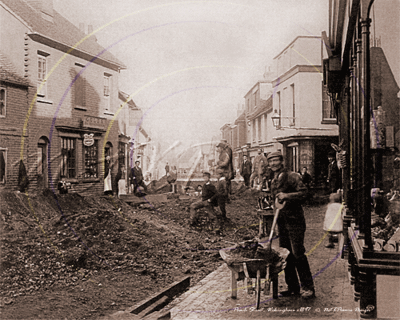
42,163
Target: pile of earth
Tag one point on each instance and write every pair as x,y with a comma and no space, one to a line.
65,243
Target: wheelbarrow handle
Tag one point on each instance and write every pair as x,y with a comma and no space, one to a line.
278,207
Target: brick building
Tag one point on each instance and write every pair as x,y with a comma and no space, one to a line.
15,94
69,123
139,146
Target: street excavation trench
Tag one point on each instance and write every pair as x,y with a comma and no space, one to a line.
82,257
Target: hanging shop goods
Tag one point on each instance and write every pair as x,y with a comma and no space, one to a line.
367,160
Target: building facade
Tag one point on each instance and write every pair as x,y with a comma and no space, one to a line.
360,81
131,122
258,103
71,119
15,94
305,122
235,135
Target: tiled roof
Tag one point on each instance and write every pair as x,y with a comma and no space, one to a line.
266,105
8,72
242,117
60,30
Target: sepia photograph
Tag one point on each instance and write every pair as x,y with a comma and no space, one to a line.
199,159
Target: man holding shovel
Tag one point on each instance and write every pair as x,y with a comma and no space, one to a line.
288,187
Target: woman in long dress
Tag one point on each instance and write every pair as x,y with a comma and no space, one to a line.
107,176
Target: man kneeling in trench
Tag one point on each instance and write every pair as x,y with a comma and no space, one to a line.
208,199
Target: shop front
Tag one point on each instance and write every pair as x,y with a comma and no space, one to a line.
79,152
310,152
371,205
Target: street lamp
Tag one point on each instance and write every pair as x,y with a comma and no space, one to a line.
276,120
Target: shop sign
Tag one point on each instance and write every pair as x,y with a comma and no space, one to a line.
94,122
306,158
88,139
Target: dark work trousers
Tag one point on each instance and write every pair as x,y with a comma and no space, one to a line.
138,184
291,236
246,178
229,186
221,205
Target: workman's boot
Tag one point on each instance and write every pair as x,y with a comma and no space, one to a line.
290,293
308,293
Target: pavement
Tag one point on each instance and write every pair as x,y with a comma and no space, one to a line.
211,297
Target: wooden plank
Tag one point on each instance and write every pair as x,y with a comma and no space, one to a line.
156,306
171,291
159,315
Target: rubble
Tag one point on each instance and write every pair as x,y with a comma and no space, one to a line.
56,243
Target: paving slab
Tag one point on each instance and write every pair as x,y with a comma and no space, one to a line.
211,297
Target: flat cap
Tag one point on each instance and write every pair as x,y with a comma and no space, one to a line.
274,155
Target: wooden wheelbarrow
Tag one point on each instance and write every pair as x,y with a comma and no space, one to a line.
248,269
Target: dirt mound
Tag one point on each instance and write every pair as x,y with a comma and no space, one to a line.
71,245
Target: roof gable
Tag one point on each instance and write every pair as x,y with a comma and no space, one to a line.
8,72
60,30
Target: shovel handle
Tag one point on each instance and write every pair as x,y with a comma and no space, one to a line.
278,208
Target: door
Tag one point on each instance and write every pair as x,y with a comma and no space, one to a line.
42,167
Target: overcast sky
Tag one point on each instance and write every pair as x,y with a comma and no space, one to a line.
190,63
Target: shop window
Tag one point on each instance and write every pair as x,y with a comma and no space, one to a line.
42,59
2,102
3,162
68,158
80,87
91,160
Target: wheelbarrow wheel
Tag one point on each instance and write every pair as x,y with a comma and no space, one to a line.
258,289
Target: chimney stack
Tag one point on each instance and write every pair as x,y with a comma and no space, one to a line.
90,30
82,27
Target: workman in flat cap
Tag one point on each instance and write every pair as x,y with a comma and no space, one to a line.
287,186
259,165
225,163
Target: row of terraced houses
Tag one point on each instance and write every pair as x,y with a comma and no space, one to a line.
290,109
61,110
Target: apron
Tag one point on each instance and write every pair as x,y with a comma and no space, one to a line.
107,182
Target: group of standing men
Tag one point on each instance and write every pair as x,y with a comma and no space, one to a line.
285,186
216,196
253,173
